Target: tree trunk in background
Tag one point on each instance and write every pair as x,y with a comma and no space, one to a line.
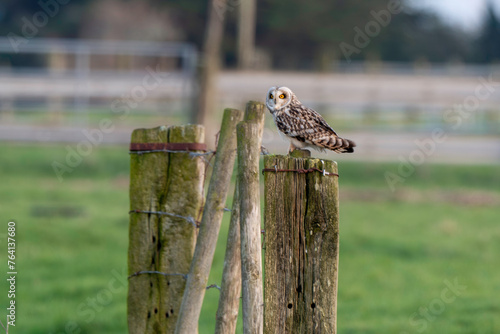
210,63
246,34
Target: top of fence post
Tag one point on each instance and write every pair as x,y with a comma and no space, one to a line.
301,245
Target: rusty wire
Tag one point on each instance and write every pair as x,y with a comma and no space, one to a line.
299,171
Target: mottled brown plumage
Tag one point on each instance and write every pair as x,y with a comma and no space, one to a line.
303,126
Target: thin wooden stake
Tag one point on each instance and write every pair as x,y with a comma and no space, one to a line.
251,248
227,312
210,225
229,301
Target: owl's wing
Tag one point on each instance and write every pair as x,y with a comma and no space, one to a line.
310,127
307,122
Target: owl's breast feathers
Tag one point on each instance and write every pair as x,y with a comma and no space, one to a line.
305,125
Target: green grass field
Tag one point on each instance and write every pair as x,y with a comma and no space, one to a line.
399,254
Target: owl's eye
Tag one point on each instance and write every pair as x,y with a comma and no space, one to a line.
282,96
271,96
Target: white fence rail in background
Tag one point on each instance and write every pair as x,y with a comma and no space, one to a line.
380,101
385,107
70,70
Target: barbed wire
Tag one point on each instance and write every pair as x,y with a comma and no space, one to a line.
214,286
300,171
190,220
155,272
142,272
207,156
191,153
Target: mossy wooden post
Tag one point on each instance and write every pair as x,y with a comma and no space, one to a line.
210,225
302,242
162,182
229,301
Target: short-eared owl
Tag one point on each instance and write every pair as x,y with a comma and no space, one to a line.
303,126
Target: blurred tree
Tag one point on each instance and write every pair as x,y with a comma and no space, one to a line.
63,20
190,16
246,34
415,35
214,34
130,20
295,34
488,43
298,32
306,34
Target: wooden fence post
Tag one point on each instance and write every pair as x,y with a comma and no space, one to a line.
164,187
210,225
301,245
249,146
229,301
251,249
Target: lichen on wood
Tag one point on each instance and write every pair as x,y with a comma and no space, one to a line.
249,143
227,312
167,182
210,224
301,256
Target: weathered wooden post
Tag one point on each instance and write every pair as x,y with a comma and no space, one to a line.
210,225
166,196
249,147
229,301
227,312
301,245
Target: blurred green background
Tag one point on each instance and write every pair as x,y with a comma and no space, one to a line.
397,249
418,255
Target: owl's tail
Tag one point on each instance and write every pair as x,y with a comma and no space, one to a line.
339,145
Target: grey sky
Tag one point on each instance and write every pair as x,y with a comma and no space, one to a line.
467,13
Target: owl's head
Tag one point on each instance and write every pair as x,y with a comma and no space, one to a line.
278,98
